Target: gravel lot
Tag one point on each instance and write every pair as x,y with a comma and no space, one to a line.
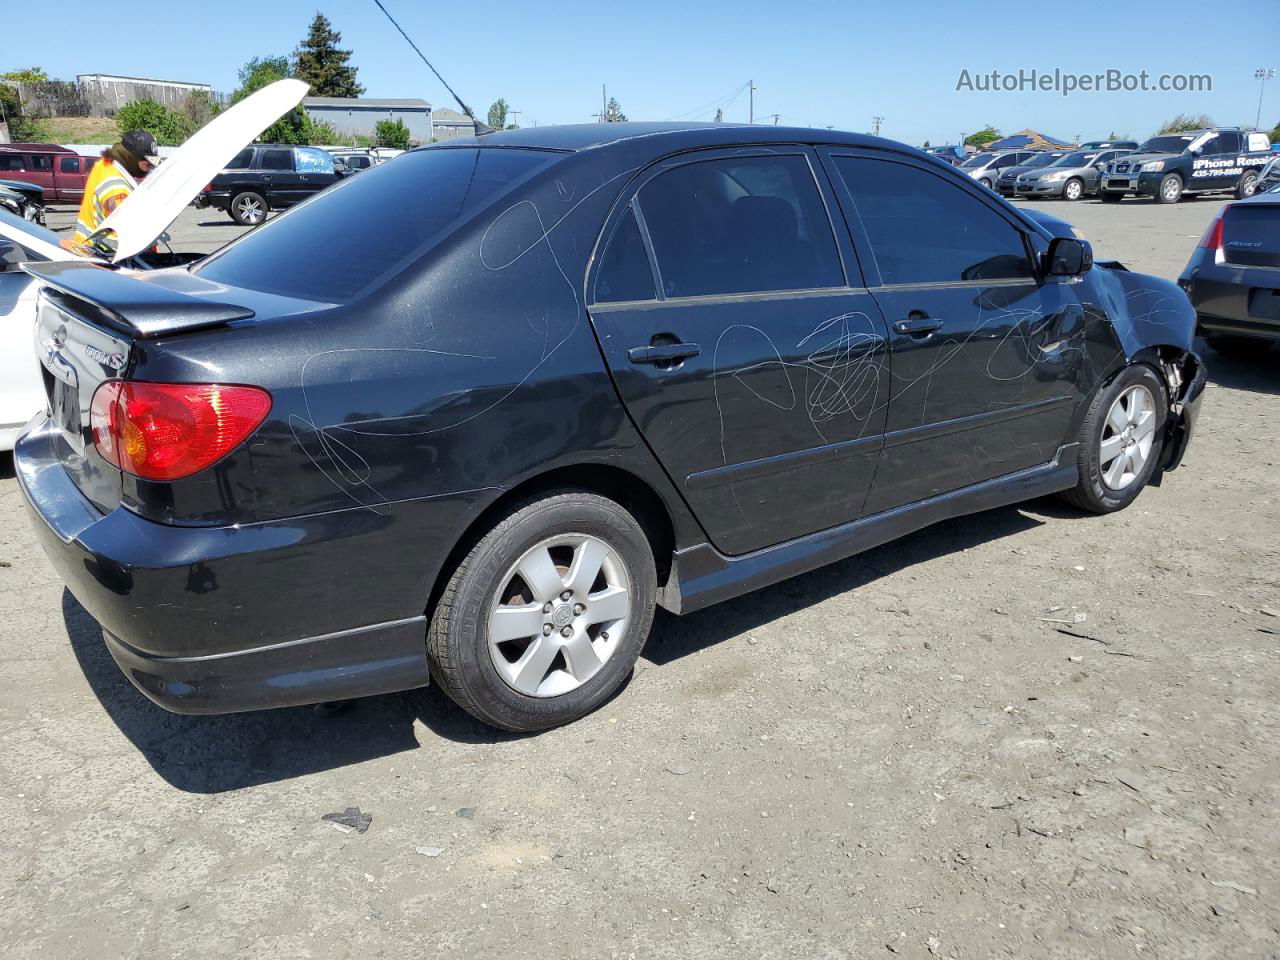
902,754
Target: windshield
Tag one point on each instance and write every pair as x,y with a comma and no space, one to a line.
1077,159
1166,144
346,238
1041,160
980,160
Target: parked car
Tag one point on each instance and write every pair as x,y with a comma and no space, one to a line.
1269,176
987,167
1009,175
25,200
59,172
953,154
548,379
266,177
354,160
151,208
1069,177
1109,145
1233,277
1204,161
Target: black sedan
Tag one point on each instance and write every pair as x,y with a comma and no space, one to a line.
1233,277
470,417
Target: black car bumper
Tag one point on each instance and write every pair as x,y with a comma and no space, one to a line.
131,574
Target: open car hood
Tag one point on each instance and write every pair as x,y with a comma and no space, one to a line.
173,184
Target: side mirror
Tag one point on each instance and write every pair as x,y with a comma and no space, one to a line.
1068,257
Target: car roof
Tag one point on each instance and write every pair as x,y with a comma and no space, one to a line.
34,148
573,138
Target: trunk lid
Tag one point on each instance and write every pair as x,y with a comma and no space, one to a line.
1251,232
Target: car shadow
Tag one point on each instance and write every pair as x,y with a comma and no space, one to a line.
1257,373
214,754
6,466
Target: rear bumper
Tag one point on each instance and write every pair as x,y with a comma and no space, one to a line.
1232,299
180,618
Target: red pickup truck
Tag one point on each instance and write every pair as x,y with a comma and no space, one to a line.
60,171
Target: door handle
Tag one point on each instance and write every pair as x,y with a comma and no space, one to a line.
918,326
663,352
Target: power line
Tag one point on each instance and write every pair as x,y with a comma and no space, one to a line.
721,102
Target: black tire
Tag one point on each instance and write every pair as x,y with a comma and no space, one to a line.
1091,493
1067,187
1108,197
985,182
1170,189
1247,184
1238,348
457,637
237,208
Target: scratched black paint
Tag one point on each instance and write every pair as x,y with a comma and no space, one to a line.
300,567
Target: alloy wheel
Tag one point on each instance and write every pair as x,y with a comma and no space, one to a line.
250,209
1074,189
1127,437
559,614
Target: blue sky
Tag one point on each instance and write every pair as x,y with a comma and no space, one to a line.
819,63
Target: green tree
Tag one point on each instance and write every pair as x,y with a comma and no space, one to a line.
613,112
322,64
392,133
169,127
987,134
1275,133
1184,122
498,114
200,108
22,129
27,75
258,73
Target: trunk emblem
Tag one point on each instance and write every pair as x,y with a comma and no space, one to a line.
113,360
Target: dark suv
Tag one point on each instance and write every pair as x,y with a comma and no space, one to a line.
265,177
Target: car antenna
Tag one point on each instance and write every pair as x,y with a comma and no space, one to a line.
481,128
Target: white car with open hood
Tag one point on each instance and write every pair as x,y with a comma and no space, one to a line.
136,225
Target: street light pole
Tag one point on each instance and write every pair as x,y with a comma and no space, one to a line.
1262,73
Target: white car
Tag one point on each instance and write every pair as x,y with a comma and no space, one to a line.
137,223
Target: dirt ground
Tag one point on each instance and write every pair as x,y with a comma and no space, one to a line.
1023,734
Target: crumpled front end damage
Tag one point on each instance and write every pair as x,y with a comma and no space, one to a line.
1155,324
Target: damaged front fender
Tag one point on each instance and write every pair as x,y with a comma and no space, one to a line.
1154,323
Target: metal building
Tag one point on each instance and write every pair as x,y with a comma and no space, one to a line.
359,116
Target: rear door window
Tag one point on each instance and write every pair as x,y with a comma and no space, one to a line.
347,238
923,229
740,225
624,272
11,162
41,161
241,160
69,165
276,160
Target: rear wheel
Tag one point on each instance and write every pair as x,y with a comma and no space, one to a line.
1073,189
1170,189
543,619
1120,441
1247,186
248,208
1109,197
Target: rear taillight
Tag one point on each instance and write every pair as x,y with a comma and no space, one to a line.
208,188
165,431
1212,239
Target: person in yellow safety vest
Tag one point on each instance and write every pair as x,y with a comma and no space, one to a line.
111,180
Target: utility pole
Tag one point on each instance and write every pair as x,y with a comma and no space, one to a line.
775,118
513,114
1263,74
876,129
751,115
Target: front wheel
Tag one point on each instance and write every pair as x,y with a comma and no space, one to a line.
1170,189
985,182
543,619
1073,189
1120,441
248,208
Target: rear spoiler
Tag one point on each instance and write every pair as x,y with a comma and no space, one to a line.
130,304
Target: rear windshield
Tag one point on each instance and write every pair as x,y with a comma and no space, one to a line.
338,244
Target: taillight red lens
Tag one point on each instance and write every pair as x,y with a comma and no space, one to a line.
208,188
1212,239
166,431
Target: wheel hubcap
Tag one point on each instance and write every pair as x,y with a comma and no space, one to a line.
1127,437
1170,189
250,210
1073,190
559,614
